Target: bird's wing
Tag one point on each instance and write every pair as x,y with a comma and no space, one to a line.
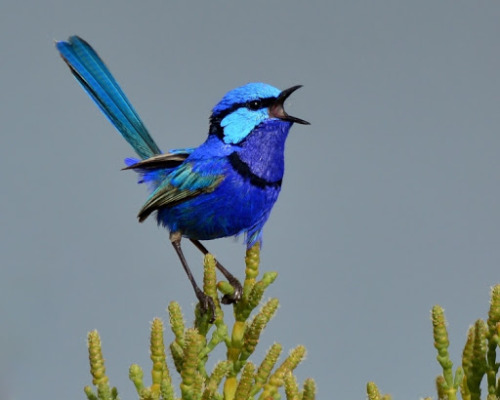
160,161
186,182
96,79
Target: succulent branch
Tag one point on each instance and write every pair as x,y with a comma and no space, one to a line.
478,357
236,378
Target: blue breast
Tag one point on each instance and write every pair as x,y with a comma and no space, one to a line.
252,169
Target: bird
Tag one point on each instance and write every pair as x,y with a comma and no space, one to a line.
225,187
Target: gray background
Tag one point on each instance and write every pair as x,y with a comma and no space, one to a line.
389,204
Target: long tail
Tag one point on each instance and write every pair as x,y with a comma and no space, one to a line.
98,82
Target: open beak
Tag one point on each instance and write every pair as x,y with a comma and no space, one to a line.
277,109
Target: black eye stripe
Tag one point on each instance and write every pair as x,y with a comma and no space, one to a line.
254,105
262,103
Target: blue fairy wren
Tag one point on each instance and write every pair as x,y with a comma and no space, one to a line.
225,187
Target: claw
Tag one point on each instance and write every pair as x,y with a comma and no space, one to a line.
236,295
207,305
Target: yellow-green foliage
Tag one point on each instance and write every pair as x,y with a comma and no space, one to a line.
478,357
234,378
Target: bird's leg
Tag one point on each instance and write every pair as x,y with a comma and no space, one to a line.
206,302
235,283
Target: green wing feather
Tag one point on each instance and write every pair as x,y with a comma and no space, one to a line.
181,185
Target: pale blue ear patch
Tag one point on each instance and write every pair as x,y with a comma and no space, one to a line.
240,123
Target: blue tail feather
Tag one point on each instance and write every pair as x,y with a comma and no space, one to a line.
96,79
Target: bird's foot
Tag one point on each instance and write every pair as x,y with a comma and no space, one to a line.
236,295
207,305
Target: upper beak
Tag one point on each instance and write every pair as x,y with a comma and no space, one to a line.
277,109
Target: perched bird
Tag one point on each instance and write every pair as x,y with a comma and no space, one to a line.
225,187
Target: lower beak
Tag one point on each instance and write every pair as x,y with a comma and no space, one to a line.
277,109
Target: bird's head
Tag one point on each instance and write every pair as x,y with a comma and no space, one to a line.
245,107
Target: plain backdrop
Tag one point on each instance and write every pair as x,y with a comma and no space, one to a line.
389,203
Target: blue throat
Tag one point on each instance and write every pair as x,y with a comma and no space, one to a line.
259,157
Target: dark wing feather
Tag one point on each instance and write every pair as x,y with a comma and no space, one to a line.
161,161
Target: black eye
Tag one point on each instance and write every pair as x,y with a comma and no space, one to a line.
254,105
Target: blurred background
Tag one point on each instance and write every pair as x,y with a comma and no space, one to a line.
389,203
